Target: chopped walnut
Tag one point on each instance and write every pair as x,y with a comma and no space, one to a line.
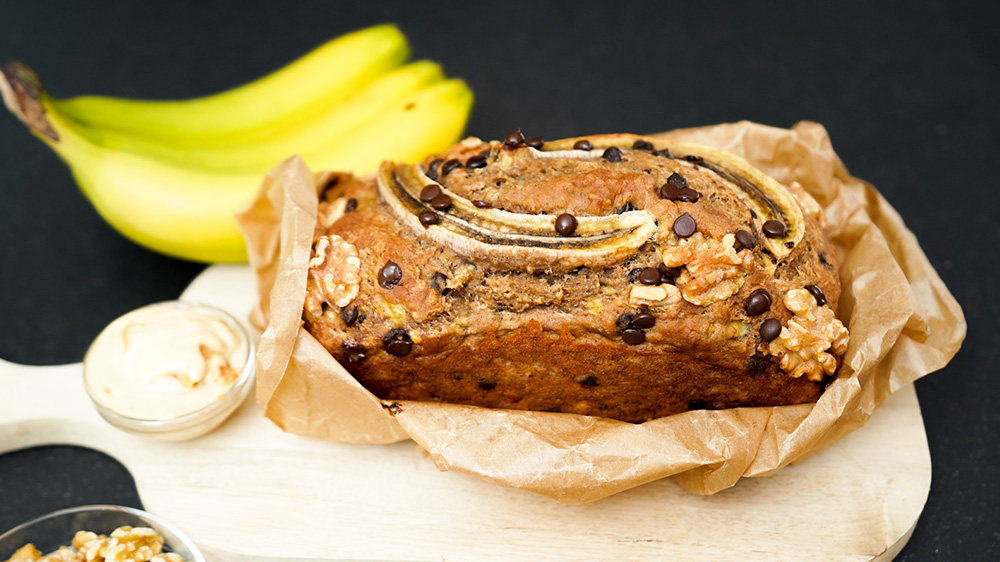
329,213
64,554
126,544
807,345
715,270
27,553
809,205
644,294
336,269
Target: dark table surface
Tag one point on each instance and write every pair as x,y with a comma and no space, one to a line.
907,90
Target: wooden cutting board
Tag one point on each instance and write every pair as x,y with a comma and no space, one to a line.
249,492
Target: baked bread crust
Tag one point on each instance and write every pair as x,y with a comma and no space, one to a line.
457,301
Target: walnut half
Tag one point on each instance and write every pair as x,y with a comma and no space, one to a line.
808,343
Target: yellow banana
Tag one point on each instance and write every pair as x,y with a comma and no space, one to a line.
293,94
338,121
187,211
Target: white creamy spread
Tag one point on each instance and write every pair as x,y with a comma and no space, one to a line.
162,362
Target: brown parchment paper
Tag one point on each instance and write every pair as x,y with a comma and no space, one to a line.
903,322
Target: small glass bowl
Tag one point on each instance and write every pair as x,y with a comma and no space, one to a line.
56,529
198,422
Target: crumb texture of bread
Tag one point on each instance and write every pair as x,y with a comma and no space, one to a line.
633,280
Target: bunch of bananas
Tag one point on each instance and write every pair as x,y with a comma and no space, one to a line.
171,175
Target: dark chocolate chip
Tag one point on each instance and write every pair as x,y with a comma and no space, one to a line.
770,329
476,162
353,352
745,240
513,139
696,160
688,195
565,224
351,205
678,180
773,229
429,192
685,226
628,206
670,272
789,244
534,142
583,145
439,281
624,321
644,320
441,203
450,165
390,275
432,169
612,154
649,276
487,384
697,405
633,275
817,293
669,191
480,204
427,218
758,302
633,336
349,315
665,153
642,145
397,342
587,380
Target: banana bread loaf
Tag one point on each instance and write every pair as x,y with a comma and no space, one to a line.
615,275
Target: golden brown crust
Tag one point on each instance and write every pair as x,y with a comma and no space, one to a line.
499,334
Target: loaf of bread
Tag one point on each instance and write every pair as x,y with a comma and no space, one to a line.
617,276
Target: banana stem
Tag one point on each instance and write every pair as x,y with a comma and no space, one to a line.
22,91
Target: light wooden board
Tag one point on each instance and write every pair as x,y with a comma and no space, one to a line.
249,492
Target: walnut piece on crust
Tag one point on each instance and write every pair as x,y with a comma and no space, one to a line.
335,268
715,270
808,343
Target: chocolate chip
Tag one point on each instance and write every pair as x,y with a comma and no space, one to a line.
480,204
745,240
789,244
668,272
476,162
697,160
758,302
678,180
429,192
353,352
432,169
665,153
351,205
390,275
633,336
685,226
628,206
349,315
450,165
644,320
397,342
612,154
427,218
587,380
688,195
487,384
583,145
513,139
534,142
439,281
441,203
642,145
770,329
773,229
817,293
649,276
624,321
669,191
565,224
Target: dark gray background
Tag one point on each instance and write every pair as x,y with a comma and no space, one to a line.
907,90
